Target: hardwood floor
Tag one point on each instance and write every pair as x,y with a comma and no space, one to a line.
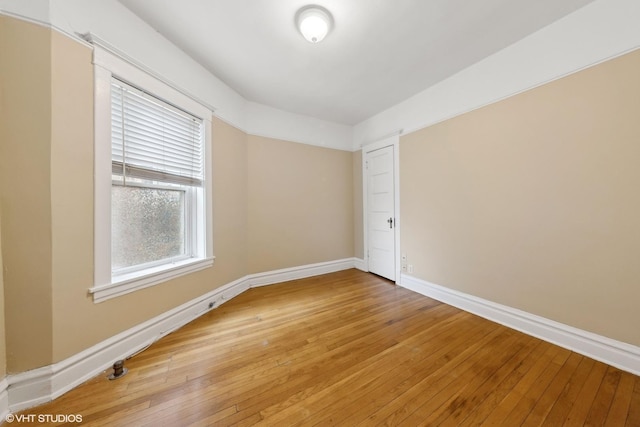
350,348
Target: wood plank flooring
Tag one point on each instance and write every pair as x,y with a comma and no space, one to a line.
350,349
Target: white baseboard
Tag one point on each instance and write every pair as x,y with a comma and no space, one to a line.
41,385
295,273
31,388
615,353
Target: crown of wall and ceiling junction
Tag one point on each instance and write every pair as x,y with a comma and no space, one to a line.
385,67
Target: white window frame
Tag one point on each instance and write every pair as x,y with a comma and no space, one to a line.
107,65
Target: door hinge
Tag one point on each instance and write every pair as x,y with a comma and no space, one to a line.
366,164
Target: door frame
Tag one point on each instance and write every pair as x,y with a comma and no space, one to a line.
394,141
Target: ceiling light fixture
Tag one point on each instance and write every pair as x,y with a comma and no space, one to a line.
314,23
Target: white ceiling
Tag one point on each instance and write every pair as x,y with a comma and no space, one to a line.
379,53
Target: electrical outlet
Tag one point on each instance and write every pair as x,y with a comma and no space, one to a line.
404,267
404,258
410,268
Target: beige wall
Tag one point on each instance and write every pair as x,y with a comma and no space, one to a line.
358,227
25,87
298,200
71,184
533,202
300,204
230,201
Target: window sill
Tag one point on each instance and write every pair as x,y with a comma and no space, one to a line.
128,283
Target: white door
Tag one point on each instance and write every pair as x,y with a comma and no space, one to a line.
380,212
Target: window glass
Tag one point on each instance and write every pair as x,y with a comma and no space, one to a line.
147,225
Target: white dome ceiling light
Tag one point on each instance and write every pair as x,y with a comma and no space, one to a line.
314,23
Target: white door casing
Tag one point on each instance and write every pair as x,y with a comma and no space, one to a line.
381,207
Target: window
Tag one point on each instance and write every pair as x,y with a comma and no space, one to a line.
156,160
152,191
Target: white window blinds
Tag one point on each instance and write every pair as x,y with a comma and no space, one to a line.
153,140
